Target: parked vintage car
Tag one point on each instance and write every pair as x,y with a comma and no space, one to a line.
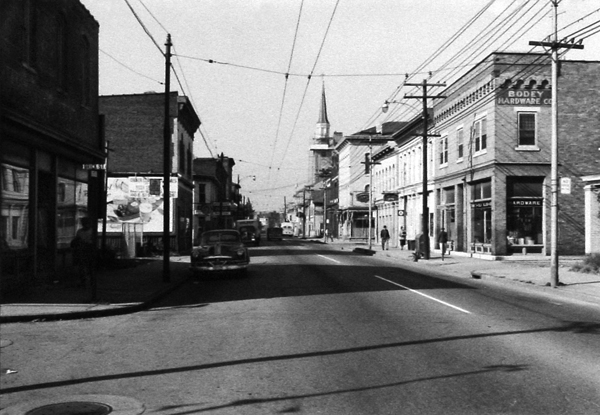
218,251
275,233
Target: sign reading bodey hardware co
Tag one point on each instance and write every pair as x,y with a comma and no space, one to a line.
524,97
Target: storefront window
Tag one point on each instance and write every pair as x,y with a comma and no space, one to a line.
15,207
65,221
481,206
448,211
482,222
525,210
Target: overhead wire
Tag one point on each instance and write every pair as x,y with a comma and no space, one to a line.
482,41
130,69
419,68
144,27
308,82
185,91
286,85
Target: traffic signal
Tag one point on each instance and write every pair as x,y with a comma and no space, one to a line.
367,163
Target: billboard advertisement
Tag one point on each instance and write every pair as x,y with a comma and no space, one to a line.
137,200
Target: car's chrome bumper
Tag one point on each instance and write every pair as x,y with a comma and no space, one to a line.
217,264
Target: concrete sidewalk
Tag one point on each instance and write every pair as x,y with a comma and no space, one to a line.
137,287
134,285
523,272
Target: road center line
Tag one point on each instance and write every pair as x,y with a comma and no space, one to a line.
331,259
425,295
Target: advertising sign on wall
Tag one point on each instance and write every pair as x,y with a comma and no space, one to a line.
136,200
524,97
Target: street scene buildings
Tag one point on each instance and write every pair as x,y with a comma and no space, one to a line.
378,227
68,153
488,170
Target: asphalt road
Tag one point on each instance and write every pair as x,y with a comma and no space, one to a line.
316,330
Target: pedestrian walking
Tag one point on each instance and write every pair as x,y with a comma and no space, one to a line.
385,237
328,235
443,240
84,250
402,237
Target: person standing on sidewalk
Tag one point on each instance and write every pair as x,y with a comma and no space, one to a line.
443,240
385,237
402,237
84,249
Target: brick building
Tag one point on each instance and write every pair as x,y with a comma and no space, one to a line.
134,131
216,198
489,171
49,129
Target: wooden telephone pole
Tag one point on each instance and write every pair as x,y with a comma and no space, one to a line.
425,249
554,46
167,168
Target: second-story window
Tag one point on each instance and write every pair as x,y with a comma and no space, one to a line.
480,134
444,150
460,140
202,193
527,131
181,149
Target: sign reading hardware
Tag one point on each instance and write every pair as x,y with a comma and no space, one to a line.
524,97
526,202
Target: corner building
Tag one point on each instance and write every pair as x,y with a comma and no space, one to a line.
491,186
49,137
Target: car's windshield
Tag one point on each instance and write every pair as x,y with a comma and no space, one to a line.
249,229
212,237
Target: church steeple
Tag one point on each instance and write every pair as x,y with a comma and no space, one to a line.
322,130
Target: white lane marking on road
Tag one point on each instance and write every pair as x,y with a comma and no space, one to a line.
331,259
425,295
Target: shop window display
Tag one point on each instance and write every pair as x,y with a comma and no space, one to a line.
525,211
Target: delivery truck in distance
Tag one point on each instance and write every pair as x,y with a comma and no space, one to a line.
250,230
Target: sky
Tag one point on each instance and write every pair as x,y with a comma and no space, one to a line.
360,51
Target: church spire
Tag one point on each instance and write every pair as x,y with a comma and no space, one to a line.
322,130
323,114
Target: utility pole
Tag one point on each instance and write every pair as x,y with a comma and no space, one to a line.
167,168
370,191
368,163
325,230
554,46
425,217
304,211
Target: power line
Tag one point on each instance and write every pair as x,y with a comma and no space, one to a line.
286,84
308,82
130,69
144,27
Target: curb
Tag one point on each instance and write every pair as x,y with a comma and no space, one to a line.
107,312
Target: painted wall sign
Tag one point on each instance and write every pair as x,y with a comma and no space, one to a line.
390,197
524,97
479,205
526,202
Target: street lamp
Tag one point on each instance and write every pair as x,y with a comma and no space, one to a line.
386,105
